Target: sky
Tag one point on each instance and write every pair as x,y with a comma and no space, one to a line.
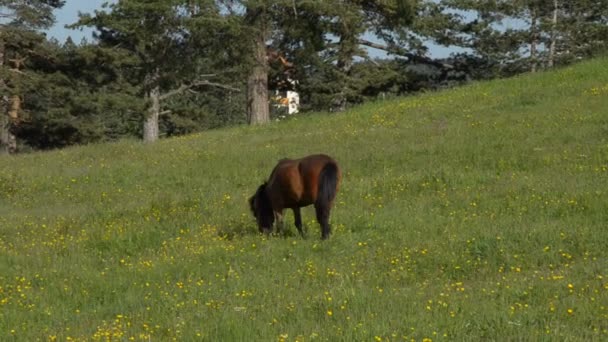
68,14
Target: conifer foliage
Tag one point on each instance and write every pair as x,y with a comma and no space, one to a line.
20,42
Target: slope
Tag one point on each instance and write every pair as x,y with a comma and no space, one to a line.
474,213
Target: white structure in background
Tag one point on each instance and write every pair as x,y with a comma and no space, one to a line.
293,102
285,95
288,99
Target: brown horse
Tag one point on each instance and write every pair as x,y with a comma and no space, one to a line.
296,183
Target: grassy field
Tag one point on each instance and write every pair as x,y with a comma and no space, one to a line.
479,213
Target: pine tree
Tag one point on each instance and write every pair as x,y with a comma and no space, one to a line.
580,29
546,33
19,40
323,39
80,96
349,21
156,36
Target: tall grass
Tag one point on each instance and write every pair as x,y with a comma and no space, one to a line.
478,213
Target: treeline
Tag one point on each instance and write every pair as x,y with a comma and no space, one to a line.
169,67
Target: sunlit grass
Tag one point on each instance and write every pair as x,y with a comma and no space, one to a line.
471,214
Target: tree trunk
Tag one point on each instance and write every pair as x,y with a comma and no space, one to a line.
4,123
533,40
551,60
8,141
151,120
5,126
258,111
4,132
14,108
13,119
347,49
345,64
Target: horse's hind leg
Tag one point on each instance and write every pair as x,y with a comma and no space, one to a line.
323,219
298,220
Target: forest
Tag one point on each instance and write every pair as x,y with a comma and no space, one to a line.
162,68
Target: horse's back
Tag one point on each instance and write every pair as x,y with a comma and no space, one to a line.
312,166
295,182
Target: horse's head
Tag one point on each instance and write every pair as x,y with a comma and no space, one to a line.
262,209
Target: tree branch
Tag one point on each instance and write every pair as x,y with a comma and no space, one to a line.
400,52
195,84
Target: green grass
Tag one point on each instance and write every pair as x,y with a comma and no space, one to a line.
478,213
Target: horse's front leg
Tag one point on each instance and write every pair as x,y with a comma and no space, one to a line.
278,219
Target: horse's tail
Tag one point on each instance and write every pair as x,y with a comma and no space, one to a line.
328,184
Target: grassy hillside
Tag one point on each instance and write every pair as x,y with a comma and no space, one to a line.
475,213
